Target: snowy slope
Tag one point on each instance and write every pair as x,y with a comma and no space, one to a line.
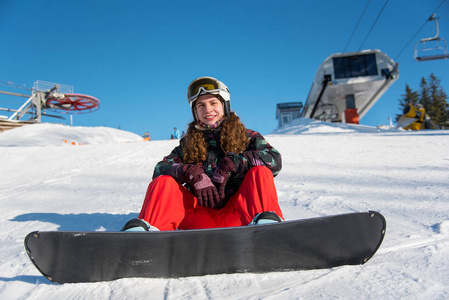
45,135
47,184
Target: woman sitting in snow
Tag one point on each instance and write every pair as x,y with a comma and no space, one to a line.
220,175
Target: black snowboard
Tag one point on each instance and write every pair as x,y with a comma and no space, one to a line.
317,243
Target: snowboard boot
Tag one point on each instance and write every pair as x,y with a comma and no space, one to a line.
267,217
138,225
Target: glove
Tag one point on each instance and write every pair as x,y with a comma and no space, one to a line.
221,174
203,188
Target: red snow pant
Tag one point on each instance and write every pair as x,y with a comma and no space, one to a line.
169,206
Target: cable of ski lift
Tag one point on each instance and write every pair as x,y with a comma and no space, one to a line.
353,31
11,84
356,26
369,32
372,26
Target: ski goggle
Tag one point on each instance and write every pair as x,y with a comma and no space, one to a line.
207,85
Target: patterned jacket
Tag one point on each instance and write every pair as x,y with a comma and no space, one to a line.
258,153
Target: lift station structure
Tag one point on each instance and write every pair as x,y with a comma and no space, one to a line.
49,96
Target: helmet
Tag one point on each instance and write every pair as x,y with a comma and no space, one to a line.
209,85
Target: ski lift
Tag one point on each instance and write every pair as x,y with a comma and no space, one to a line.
438,46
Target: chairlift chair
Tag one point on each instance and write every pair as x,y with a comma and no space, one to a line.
440,46
327,112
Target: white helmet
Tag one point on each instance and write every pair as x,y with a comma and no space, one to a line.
209,85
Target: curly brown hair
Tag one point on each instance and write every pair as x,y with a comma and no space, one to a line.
233,139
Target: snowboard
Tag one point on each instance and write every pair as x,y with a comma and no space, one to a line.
317,243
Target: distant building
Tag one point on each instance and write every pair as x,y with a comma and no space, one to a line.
287,112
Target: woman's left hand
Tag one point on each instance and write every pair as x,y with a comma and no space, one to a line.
221,174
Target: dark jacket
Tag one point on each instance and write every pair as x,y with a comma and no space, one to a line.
258,153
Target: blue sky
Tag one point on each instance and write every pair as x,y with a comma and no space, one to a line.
137,57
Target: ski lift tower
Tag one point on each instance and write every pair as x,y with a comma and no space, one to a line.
56,97
436,47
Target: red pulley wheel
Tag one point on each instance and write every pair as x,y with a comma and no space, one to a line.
74,103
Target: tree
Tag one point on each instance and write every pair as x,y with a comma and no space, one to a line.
432,96
437,108
424,97
410,96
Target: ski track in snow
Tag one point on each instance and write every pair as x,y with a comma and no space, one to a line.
327,169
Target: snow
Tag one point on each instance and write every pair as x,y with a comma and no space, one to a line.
47,184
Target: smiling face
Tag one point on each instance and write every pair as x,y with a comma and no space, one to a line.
209,109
